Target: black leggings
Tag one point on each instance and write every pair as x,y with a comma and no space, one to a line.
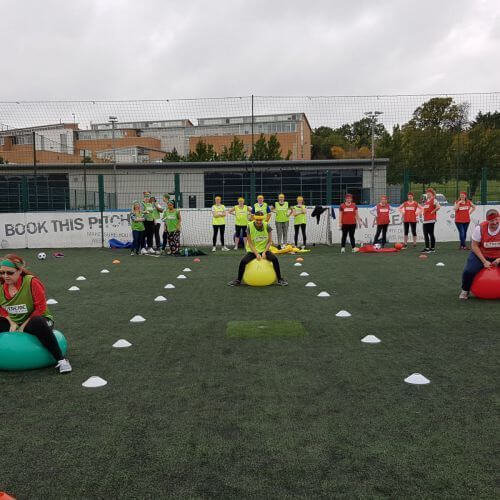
149,227
250,256
157,235
348,229
41,328
218,228
296,237
429,235
381,228
240,231
413,226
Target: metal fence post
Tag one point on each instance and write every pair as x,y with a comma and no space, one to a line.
100,183
24,193
252,187
484,186
177,190
329,178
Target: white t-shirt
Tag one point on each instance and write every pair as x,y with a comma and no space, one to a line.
476,234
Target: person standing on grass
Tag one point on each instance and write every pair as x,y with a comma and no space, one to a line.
262,206
241,213
219,223
348,218
409,210
299,214
259,241
157,209
137,226
23,307
172,229
282,220
149,223
429,211
463,210
382,213
485,250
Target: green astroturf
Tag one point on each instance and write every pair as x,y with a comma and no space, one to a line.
264,329
191,413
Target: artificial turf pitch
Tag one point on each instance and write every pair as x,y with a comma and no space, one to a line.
193,412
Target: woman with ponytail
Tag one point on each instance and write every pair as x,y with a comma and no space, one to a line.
23,307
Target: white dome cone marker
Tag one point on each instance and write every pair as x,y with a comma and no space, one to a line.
186,270
323,294
137,319
104,271
94,382
181,277
169,285
160,298
81,278
122,343
440,264
417,379
297,264
370,339
73,288
310,284
343,314
52,302
303,273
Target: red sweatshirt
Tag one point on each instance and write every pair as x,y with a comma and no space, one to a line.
37,292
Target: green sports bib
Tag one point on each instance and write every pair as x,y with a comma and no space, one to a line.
241,215
281,212
300,218
218,221
259,238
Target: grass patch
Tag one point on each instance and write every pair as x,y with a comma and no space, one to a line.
264,329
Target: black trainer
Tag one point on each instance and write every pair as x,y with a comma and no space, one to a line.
282,282
234,283
425,250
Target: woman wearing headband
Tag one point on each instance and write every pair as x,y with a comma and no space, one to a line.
382,212
463,209
241,213
282,221
262,206
299,222
23,307
429,210
137,226
348,218
172,228
409,211
219,223
485,250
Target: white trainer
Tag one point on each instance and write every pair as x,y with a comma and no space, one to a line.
63,366
225,249
342,250
151,251
214,249
143,251
463,295
235,247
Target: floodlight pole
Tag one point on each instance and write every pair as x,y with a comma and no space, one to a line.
372,115
113,120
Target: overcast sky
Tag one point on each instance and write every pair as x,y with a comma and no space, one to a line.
157,49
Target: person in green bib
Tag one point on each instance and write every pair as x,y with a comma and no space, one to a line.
259,241
219,223
137,226
241,212
157,210
299,213
149,221
172,228
282,211
262,206
23,307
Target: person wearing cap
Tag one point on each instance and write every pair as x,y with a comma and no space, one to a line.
259,241
137,226
382,212
219,223
282,221
149,222
23,307
463,210
485,250
262,206
348,218
409,210
429,210
171,218
241,213
299,214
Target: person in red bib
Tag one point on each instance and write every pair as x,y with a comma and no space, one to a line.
429,211
382,213
348,218
463,209
485,250
23,307
409,210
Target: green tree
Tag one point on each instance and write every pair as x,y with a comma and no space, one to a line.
489,120
203,152
273,148
391,146
172,156
323,140
260,151
1,160
440,113
235,152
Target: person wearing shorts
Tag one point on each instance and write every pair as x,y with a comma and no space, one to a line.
241,213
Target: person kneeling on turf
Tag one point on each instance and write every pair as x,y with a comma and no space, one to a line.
259,241
485,250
